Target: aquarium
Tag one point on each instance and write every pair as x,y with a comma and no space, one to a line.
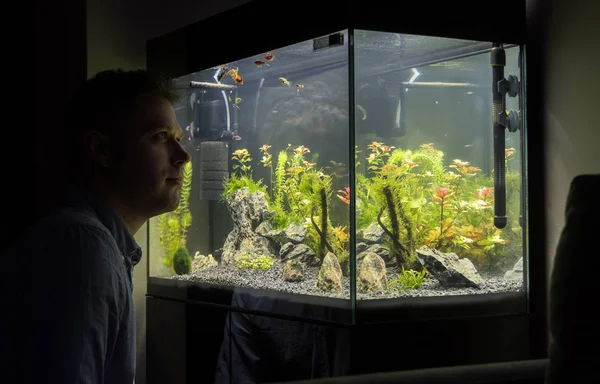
356,167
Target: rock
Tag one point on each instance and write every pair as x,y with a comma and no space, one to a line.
201,262
372,234
361,247
302,253
285,249
448,269
295,233
371,274
247,211
265,229
330,274
515,274
293,270
381,251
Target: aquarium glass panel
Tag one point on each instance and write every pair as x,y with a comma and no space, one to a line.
264,200
425,170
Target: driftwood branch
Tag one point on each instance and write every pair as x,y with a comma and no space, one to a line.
323,237
394,238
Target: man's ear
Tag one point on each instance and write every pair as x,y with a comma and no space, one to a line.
97,146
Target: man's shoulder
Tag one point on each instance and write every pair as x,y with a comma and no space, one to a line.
67,228
65,219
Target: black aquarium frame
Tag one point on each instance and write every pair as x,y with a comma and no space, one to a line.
264,25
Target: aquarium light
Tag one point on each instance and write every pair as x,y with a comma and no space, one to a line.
414,76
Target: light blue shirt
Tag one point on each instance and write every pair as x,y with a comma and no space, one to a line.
67,282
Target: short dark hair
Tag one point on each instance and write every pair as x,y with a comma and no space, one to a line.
108,99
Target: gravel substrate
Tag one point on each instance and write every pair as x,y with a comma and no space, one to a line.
273,280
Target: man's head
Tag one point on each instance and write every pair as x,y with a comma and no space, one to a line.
124,142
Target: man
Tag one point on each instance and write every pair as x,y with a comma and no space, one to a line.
70,317
574,353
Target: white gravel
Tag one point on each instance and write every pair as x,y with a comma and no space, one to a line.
273,280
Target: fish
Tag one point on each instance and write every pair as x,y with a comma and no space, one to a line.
468,145
364,112
190,130
234,73
299,86
260,63
269,56
229,136
284,81
237,101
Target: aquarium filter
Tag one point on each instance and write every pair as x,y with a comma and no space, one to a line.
214,168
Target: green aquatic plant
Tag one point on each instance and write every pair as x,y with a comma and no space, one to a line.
316,186
267,162
233,183
254,261
182,262
242,166
280,179
408,279
417,200
172,226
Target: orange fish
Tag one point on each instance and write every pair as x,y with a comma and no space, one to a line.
260,63
235,76
233,72
269,56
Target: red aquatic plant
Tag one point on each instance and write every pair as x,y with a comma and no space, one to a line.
344,195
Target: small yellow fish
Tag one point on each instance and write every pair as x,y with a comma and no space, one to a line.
299,86
284,81
237,101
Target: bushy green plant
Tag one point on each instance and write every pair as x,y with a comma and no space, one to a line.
182,262
408,279
254,261
420,201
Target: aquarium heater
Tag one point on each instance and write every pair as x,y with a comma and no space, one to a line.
501,120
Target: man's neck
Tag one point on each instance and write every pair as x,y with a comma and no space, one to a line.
132,222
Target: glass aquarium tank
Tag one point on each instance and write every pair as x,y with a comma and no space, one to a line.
358,167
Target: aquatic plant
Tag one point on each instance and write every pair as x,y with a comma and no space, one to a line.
254,261
172,226
280,174
408,279
182,262
233,183
267,162
420,201
242,166
317,187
